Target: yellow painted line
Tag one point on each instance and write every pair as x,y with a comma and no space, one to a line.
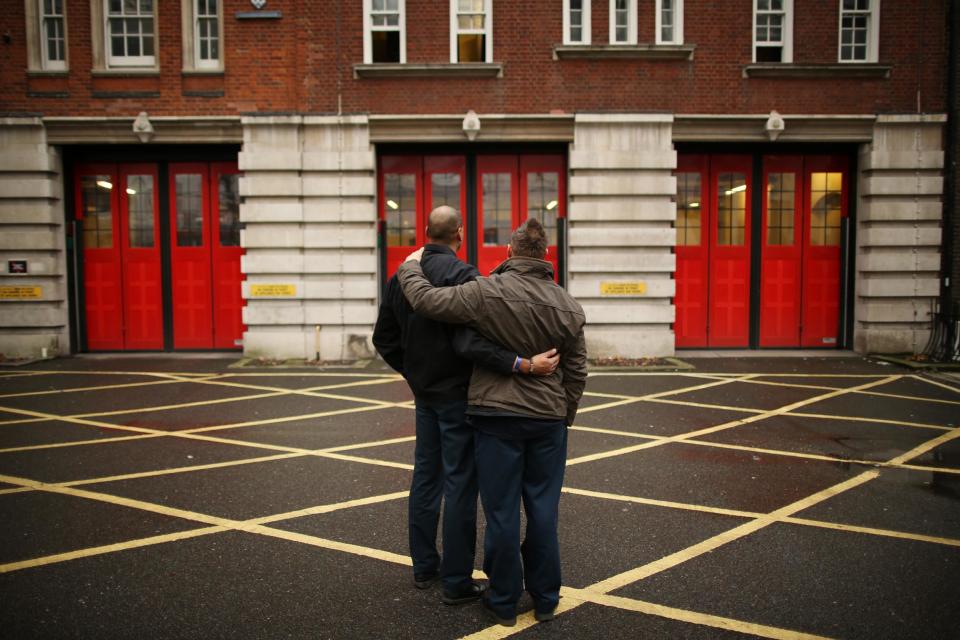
307,416
302,392
701,405
382,463
659,394
327,508
182,405
776,384
691,617
901,535
312,374
926,446
615,396
77,443
96,388
4,492
898,396
937,384
24,421
614,432
899,423
662,503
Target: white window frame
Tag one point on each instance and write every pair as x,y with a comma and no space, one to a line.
369,28
45,62
213,63
873,35
486,31
631,23
129,61
677,22
584,21
786,42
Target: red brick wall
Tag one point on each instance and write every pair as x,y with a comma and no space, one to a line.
292,64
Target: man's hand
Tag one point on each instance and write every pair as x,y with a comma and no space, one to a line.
544,364
415,256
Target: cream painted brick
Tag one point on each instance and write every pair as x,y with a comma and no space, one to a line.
268,133
272,343
34,211
897,209
626,311
332,235
272,183
890,340
640,208
886,260
623,183
892,185
899,287
628,343
258,158
273,312
39,263
596,260
332,160
27,157
342,313
605,159
29,185
19,314
622,237
351,288
272,262
272,235
334,261
254,210
332,184
30,343
36,239
589,287
333,209
905,236
902,160
897,311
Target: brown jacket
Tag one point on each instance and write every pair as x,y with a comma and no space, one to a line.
522,308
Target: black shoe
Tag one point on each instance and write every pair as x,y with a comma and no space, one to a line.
506,622
463,596
424,580
545,616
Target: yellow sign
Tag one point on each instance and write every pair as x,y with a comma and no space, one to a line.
273,290
21,293
630,288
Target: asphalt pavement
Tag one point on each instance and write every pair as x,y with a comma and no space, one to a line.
155,497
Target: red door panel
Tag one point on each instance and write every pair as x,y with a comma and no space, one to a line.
497,209
140,251
96,188
543,196
729,289
825,195
191,272
400,196
224,215
444,183
782,242
693,251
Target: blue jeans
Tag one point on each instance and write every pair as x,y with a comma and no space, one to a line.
508,470
444,466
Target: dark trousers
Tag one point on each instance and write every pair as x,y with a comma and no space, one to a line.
508,470
444,466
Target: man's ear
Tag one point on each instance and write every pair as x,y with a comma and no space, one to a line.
509,250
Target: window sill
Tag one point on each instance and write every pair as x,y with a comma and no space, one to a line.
616,51
787,70
48,73
202,72
132,72
435,70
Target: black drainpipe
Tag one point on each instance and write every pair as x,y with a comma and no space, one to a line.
950,282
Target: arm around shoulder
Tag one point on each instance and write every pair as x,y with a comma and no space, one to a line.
459,304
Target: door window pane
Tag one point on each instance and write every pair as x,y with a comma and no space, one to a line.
780,208
445,190
731,208
97,214
189,210
688,209
826,193
140,210
497,209
400,209
543,201
229,197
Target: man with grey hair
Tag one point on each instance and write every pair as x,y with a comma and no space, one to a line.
521,421
437,361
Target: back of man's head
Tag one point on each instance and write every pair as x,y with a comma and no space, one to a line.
529,240
443,224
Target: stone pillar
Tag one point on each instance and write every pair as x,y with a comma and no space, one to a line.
898,233
33,305
310,222
621,219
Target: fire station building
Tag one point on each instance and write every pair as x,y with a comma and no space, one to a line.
227,174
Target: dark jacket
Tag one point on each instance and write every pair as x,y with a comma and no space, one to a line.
522,308
435,358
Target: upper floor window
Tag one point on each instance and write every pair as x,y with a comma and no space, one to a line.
859,26
623,21
53,34
576,21
669,21
207,34
471,30
130,33
384,36
773,31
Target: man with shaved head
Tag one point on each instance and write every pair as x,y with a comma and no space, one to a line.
437,361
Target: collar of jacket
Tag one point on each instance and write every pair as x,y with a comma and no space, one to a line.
524,266
437,248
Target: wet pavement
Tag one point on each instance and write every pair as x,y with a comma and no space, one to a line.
747,497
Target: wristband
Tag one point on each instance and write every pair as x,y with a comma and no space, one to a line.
516,365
